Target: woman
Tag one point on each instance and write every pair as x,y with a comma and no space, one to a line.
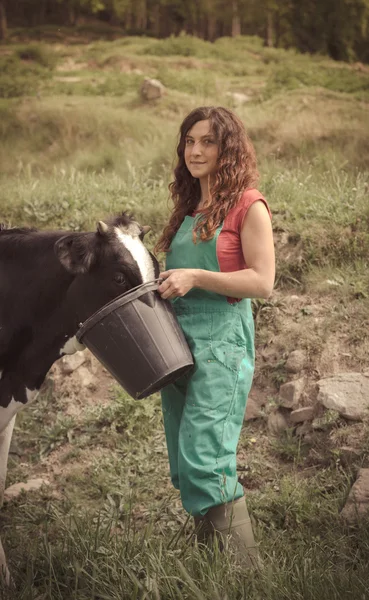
220,253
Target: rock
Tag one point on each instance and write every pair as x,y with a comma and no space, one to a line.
347,393
326,421
296,361
252,409
348,455
71,362
93,364
68,79
86,378
290,393
151,89
30,486
357,504
238,98
277,423
306,413
255,401
304,429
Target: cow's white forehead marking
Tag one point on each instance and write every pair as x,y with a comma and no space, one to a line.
71,346
139,253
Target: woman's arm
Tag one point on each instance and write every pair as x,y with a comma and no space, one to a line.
254,282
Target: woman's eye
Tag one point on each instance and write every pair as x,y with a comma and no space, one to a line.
119,278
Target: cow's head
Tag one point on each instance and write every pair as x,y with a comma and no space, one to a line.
106,263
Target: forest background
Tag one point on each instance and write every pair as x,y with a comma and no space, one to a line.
338,28
79,142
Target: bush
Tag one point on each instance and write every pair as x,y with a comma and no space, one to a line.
108,85
39,54
13,87
337,79
191,81
183,45
19,79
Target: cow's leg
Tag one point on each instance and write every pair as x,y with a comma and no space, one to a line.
5,439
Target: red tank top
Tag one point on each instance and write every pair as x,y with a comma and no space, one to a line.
229,247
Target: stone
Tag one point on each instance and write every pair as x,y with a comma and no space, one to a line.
347,393
290,393
252,409
296,361
151,89
68,79
238,98
348,455
306,413
277,423
71,362
357,504
304,429
31,485
86,378
326,421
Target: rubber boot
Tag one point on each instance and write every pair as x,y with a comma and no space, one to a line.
232,523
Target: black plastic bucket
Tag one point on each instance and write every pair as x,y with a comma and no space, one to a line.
138,339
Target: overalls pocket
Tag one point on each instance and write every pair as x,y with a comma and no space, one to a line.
227,342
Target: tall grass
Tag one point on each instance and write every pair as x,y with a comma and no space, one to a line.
122,535
86,148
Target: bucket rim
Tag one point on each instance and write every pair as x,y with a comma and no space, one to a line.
117,302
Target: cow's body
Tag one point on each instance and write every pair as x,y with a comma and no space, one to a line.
50,282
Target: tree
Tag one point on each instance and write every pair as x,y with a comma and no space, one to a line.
3,21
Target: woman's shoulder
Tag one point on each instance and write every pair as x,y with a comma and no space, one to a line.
248,197
236,215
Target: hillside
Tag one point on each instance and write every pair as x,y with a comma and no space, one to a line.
78,143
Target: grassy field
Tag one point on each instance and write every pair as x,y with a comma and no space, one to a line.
77,144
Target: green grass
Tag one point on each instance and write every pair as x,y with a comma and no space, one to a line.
78,144
117,532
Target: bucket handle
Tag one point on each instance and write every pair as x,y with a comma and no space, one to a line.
157,280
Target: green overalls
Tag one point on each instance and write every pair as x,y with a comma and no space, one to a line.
204,409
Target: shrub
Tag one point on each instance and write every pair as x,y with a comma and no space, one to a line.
13,87
19,79
183,45
192,81
39,54
338,79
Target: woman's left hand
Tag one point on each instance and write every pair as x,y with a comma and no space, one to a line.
177,282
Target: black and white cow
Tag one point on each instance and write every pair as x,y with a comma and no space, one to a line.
50,282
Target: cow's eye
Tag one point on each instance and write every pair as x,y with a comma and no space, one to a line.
119,278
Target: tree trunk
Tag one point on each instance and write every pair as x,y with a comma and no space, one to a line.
269,30
236,21
212,26
156,20
3,21
141,16
128,21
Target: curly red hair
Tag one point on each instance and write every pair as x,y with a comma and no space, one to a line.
237,171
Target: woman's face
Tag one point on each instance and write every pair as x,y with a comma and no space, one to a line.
201,150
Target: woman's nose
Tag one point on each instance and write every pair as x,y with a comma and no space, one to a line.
196,149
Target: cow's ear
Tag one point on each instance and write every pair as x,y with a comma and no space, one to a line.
102,228
75,253
144,230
